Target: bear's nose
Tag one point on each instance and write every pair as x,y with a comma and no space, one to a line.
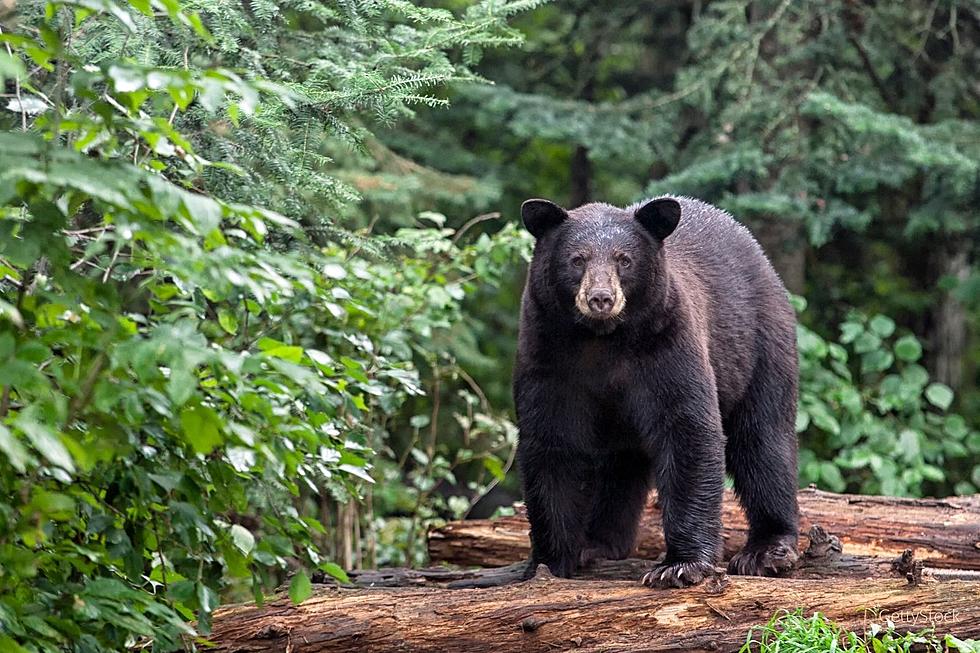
601,300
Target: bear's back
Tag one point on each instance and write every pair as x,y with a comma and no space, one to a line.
734,291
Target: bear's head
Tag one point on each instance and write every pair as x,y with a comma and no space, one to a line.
593,263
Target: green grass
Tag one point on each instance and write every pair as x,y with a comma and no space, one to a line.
792,632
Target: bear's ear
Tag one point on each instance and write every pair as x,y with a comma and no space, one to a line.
541,215
659,217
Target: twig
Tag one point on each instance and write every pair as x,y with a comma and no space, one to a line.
484,402
473,222
173,114
163,564
870,69
717,611
496,480
112,263
925,36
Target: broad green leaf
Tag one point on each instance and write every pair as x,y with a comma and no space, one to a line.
939,395
45,441
53,505
10,646
201,427
228,321
334,271
882,325
300,587
15,452
831,477
908,444
908,349
493,465
243,538
336,571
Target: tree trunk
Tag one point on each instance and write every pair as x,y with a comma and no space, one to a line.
547,614
785,244
943,532
581,177
949,332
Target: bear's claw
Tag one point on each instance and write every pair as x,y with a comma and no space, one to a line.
774,559
678,574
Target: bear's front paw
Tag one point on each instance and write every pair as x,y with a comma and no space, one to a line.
772,559
679,574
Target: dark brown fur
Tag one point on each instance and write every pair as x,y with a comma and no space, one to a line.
698,373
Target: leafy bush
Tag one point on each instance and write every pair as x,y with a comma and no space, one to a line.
184,376
870,420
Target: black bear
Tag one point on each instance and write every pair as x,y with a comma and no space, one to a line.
657,348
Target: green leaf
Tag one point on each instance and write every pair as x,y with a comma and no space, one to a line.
831,476
336,571
228,321
493,465
16,453
908,349
955,427
10,646
939,395
53,505
243,538
933,473
46,442
202,428
908,444
878,360
355,470
334,271
850,331
867,342
300,588
882,325
281,350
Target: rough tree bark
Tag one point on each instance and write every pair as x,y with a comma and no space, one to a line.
942,532
949,333
548,614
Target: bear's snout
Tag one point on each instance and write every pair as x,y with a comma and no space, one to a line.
601,301
600,297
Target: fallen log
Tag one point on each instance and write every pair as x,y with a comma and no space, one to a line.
941,532
547,614
823,559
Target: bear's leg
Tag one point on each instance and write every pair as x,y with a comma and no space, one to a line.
761,457
557,486
690,483
623,482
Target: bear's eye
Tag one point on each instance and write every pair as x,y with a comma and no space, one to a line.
578,261
625,261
